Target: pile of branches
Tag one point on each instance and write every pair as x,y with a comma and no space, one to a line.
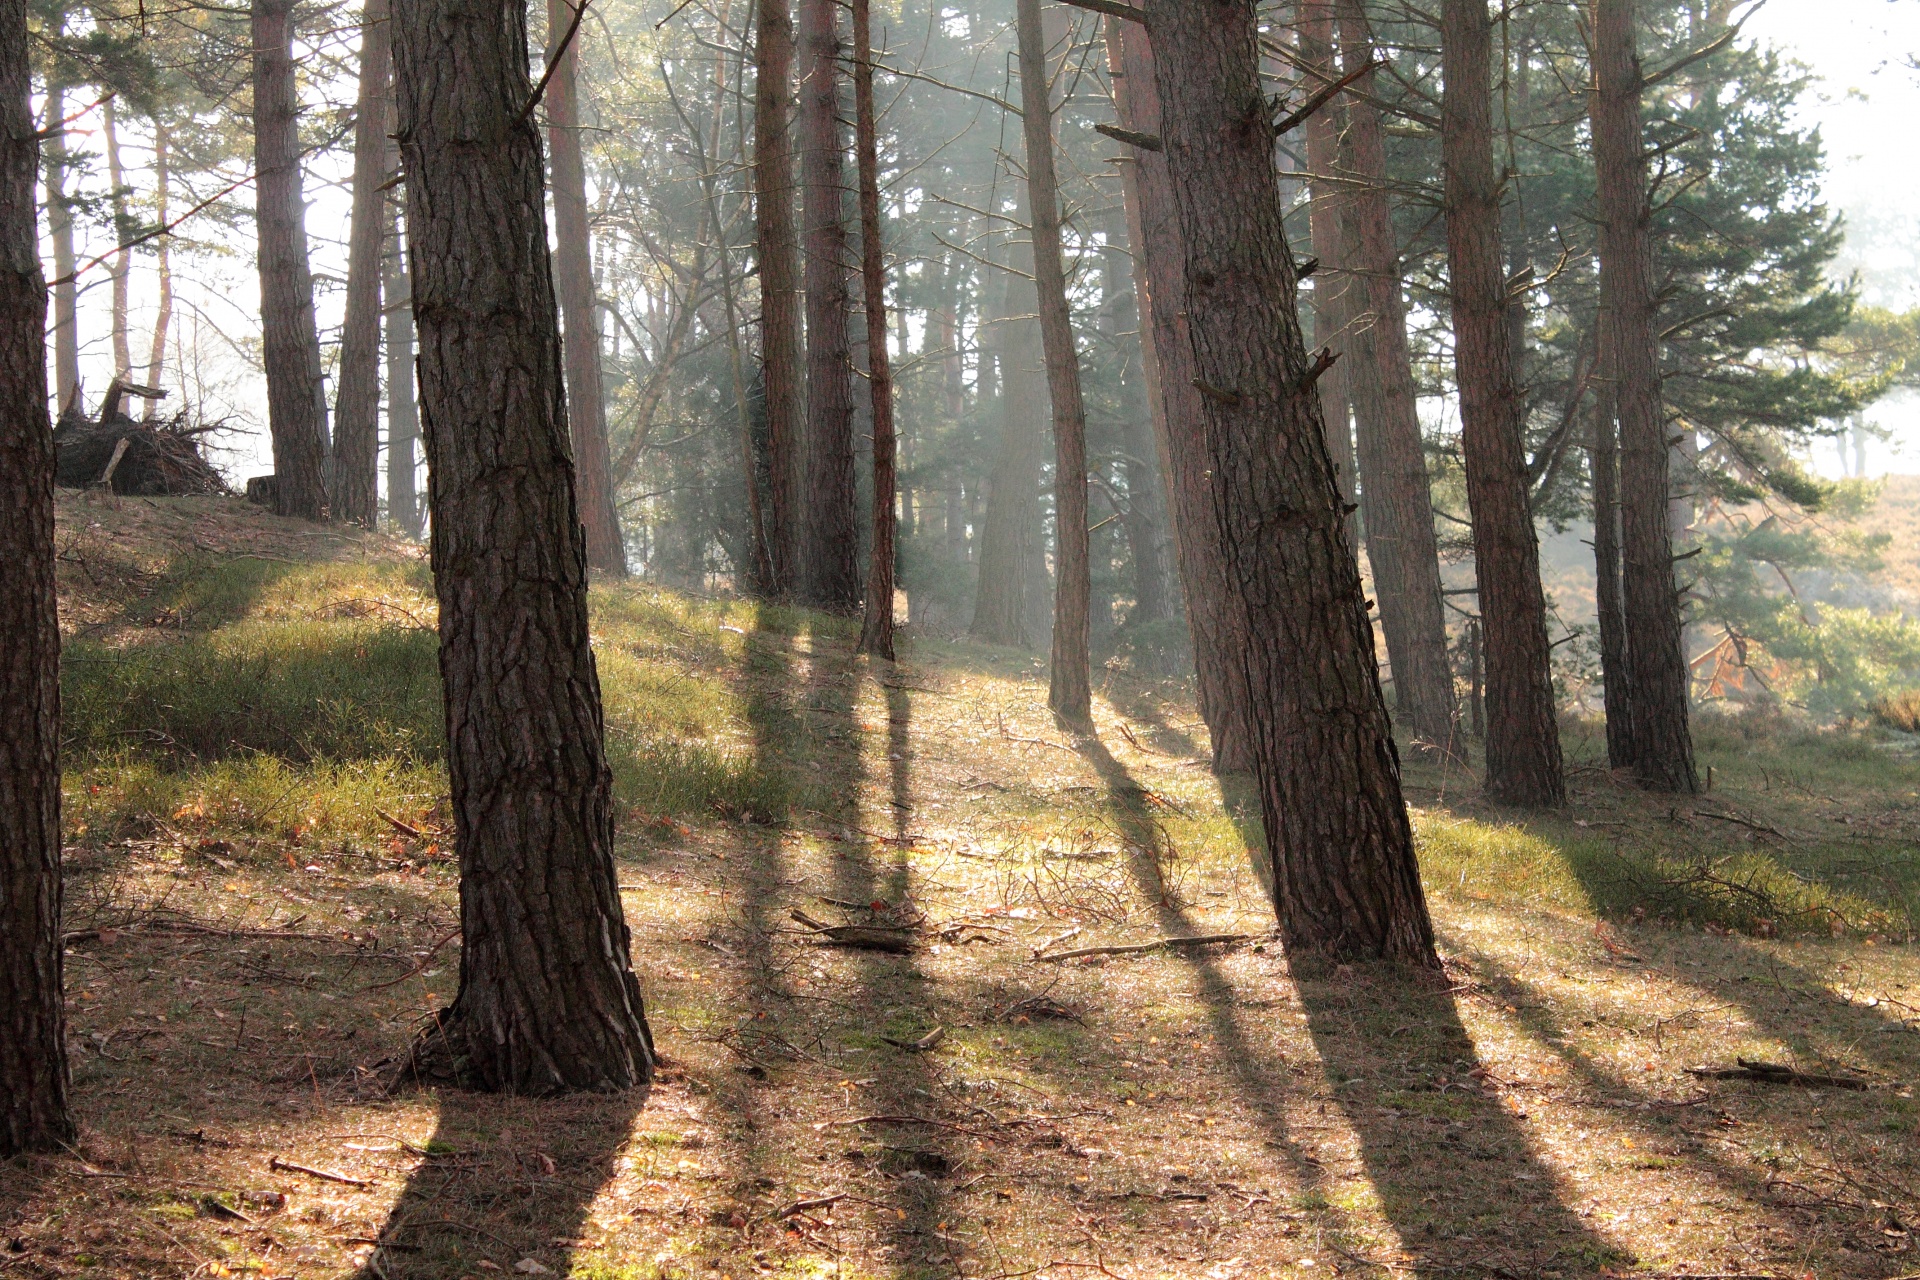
146,459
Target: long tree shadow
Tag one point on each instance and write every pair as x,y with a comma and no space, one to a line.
1451,1171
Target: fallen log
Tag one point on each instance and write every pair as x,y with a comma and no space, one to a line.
1141,948
860,937
1774,1073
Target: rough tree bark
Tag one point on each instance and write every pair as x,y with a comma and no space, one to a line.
1154,227
1522,733
403,416
356,415
573,274
876,631
66,294
163,262
830,576
33,1043
1345,880
779,253
290,343
548,1001
1604,469
1660,743
1069,688
1397,499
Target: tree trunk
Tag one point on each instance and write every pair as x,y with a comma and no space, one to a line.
1523,739
573,274
548,1001
290,343
33,1042
163,258
1396,492
1177,405
1604,465
1010,533
876,632
1155,594
1069,690
779,252
66,295
1660,742
1333,287
122,227
356,439
830,574
1345,880
403,418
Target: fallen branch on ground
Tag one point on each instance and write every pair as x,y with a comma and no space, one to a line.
287,1166
1774,1073
1201,940
859,936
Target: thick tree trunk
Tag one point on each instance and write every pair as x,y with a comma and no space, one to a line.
548,1000
290,343
779,253
163,261
1333,286
1345,880
1604,468
1069,690
66,295
1660,743
403,417
356,416
122,227
1523,739
1397,499
1177,407
1010,533
573,274
830,576
33,1043
876,631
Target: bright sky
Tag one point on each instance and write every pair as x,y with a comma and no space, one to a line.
1866,102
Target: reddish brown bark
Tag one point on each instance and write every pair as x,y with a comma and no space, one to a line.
356,414
1154,227
290,343
1604,469
779,256
1069,690
1345,879
830,574
1522,735
1658,738
1397,500
876,631
33,1046
1332,285
573,277
547,1001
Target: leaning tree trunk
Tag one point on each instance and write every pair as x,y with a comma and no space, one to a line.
356,440
403,417
1333,287
876,631
33,1042
573,273
830,575
1523,739
66,294
779,253
163,262
1396,492
1660,742
1345,880
290,343
548,1000
122,271
1069,690
1154,227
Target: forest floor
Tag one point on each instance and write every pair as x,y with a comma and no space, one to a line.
262,909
